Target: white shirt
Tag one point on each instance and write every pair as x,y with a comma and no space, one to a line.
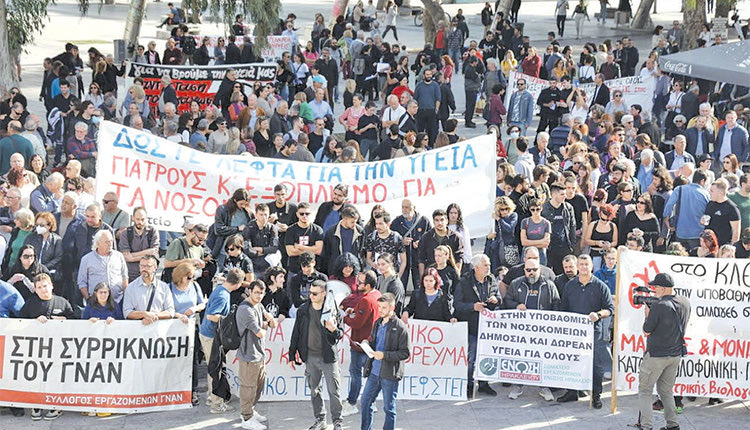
726,143
390,114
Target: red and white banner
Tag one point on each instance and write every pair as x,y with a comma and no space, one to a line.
435,370
199,83
717,335
121,367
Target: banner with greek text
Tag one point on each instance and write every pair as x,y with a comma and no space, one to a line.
173,181
634,89
543,348
718,332
435,370
121,367
199,83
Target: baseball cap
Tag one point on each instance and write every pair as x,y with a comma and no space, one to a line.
704,157
662,280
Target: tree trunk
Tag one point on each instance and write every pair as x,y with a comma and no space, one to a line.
8,77
642,19
504,7
133,24
381,4
693,19
723,7
433,14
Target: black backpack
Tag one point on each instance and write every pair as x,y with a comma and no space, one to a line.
227,331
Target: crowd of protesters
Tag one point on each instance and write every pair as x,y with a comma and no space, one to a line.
596,174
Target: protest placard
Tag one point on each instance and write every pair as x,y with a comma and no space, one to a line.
634,89
199,83
173,181
717,335
120,367
543,348
435,370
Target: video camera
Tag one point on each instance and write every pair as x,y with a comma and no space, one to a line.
641,296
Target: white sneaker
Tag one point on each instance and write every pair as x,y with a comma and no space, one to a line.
349,409
546,394
221,408
258,417
251,424
608,376
515,392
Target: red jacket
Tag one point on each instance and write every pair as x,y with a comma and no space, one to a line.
532,66
363,318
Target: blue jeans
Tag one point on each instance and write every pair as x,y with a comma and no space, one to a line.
373,386
356,363
604,357
455,55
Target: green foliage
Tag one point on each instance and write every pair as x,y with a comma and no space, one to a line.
25,18
263,13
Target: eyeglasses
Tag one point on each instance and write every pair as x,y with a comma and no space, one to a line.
535,209
576,163
304,214
618,95
503,209
315,294
27,256
629,190
107,201
530,269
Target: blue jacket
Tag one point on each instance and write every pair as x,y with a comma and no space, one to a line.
525,109
693,200
608,276
738,141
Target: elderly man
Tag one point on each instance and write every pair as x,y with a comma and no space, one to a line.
320,107
732,139
170,114
279,122
32,134
83,148
18,163
645,174
14,143
678,157
103,264
73,169
7,213
68,216
476,291
112,215
48,196
712,123
147,298
392,113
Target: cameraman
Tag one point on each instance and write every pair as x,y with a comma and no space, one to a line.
666,320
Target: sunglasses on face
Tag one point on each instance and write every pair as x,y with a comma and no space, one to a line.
531,270
315,293
535,209
304,214
27,256
232,248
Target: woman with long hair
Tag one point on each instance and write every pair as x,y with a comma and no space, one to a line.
44,238
730,164
709,245
447,268
430,302
25,267
95,95
231,218
448,68
642,222
263,138
601,234
456,223
388,280
101,306
39,167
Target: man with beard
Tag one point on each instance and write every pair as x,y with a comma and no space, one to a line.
532,291
138,240
411,226
570,271
283,215
547,101
328,213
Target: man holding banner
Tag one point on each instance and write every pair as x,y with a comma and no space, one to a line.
587,295
665,325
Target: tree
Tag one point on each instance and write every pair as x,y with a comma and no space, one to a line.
433,14
642,19
22,19
724,6
263,13
693,17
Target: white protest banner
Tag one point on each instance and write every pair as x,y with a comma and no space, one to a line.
121,367
634,89
270,54
173,181
543,348
718,332
435,370
199,83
